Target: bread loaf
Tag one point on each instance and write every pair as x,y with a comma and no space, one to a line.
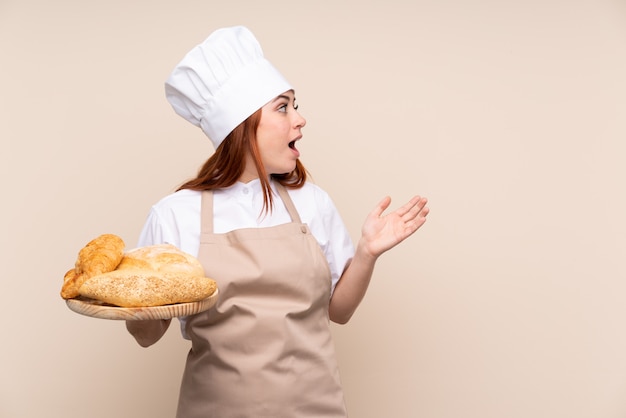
143,288
164,258
151,276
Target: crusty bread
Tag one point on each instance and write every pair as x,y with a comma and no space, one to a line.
151,276
164,258
100,255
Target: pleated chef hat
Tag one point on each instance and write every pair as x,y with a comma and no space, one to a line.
222,81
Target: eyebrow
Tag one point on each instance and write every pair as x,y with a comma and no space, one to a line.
282,96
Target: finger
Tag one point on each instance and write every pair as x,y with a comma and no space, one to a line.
381,207
406,208
412,207
420,210
414,225
421,206
417,221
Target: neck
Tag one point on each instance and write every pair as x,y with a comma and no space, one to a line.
248,176
249,172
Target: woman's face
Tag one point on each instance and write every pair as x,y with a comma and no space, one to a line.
278,131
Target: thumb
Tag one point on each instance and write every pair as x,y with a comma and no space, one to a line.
382,205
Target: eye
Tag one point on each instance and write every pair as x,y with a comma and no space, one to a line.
283,108
295,106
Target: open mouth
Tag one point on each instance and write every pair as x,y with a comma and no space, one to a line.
292,145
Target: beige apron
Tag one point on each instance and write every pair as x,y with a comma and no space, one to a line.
265,349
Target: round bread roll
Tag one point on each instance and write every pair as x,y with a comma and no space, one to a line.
164,258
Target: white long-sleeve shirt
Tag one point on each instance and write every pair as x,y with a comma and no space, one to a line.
175,219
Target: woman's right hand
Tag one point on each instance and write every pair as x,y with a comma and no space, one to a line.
148,332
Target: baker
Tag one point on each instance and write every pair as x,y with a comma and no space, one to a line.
274,242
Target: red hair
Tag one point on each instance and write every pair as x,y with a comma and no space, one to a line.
226,165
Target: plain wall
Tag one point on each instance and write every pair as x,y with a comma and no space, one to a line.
509,115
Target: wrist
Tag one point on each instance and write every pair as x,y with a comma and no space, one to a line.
364,252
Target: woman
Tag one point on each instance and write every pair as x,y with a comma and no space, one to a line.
275,244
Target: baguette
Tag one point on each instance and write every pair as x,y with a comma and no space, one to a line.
133,288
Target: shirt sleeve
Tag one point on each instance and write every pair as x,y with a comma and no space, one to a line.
337,245
174,220
155,231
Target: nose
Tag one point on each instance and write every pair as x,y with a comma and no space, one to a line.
299,121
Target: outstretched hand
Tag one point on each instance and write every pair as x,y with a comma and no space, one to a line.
378,234
383,232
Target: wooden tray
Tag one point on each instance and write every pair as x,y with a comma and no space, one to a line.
97,309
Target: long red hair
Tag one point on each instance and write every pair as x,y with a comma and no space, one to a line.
226,165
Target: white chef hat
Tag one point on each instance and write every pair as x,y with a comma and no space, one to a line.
222,81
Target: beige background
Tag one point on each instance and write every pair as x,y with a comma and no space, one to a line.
508,115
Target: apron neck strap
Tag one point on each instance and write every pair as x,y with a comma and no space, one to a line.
206,211
291,208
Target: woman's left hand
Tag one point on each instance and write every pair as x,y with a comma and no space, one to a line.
383,232
378,234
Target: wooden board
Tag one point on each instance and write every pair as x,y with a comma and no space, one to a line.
97,309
